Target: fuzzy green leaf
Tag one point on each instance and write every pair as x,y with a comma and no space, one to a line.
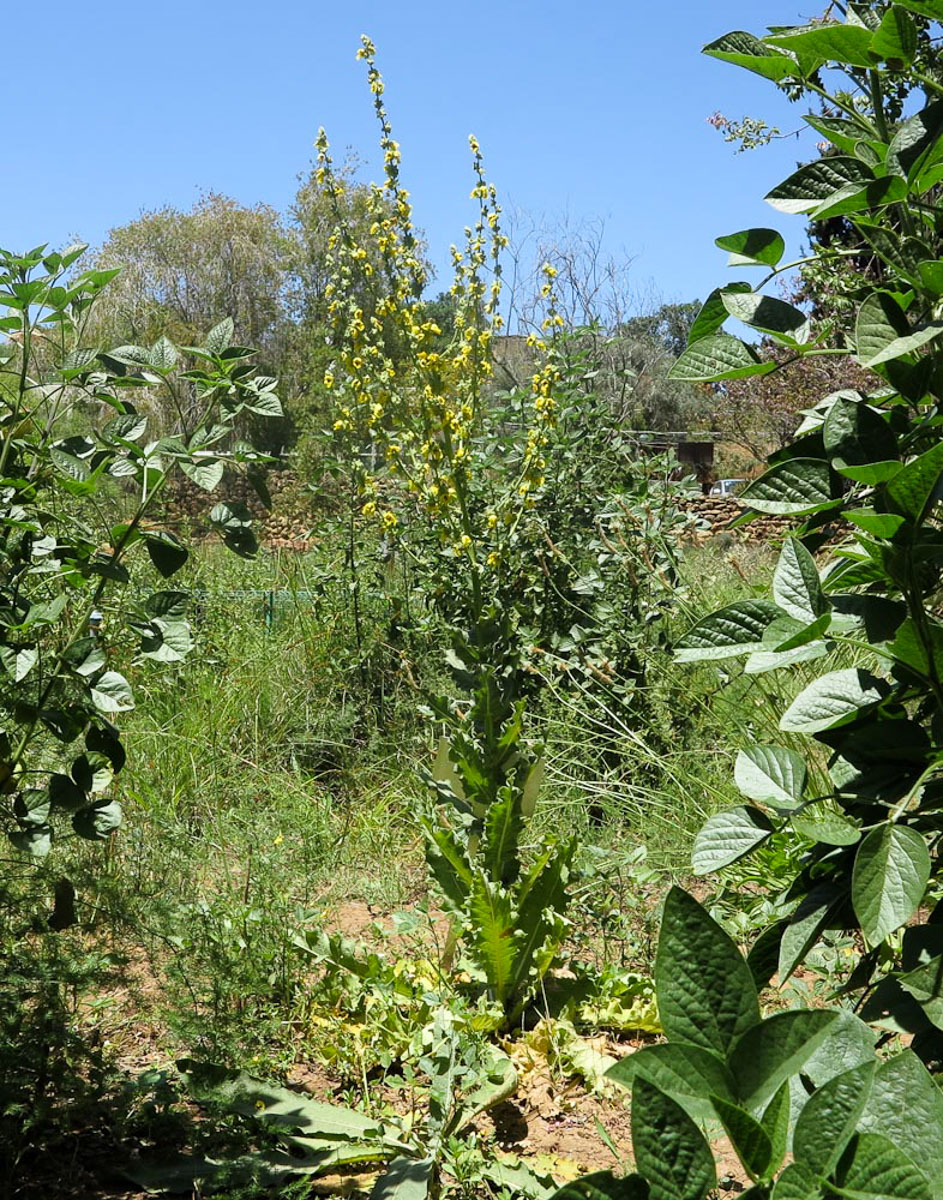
796,586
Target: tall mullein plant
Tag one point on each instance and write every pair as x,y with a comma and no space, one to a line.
856,775
411,420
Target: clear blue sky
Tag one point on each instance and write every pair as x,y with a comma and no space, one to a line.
594,109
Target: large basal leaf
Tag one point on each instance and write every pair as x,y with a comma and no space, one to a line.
830,1117
745,50
492,925
814,45
503,825
405,1179
736,629
765,1057
796,585
706,993
833,699
771,774
806,188
753,247
792,487
688,1074
718,356
727,836
670,1150
890,876
914,487
880,1170
907,1106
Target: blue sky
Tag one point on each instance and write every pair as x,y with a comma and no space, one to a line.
596,110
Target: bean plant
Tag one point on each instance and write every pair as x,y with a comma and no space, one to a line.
856,775
83,553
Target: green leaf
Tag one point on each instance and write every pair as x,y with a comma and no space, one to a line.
775,1121
815,45
753,247
603,1185
206,473
771,774
910,646
670,1150
882,525
925,984
895,40
797,1183
492,927
97,821
405,1179
855,198
806,188
736,629
162,356
853,433
890,876
112,693
931,275
132,356
718,356
879,1170
833,699
806,925
823,822
165,641
688,1074
769,1053
932,9
706,993
727,836
747,1136
829,1119
914,487
745,50
880,321
35,841
166,551
713,312
503,826
916,147
796,586
792,487
907,1107
768,314
219,337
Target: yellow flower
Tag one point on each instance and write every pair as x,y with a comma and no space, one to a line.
389,519
369,509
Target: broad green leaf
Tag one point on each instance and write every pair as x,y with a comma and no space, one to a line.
35,841
920,336
206,473
933,9
880,1170
713,312
687,1073
745,50
768,314
872,473
706,993
753,247
893,250
833,699
492,926
111,693
792,487
773,660
603,1185
925,984
914,487
806,926
97,821
856,198
162,356
919,647
771,774
797,1183
219,337
842,132
769,1053
503,826
882,525
895,40
670,1150
718,356
775,1121
853,433
405,1179
824,822
814,45
931,275
736,629
747,1136
830,1117
806,188
890,875
849,1044
132,356
727,836
880,321
916,146
165,641
796,585
449,865
907,1106
166,551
